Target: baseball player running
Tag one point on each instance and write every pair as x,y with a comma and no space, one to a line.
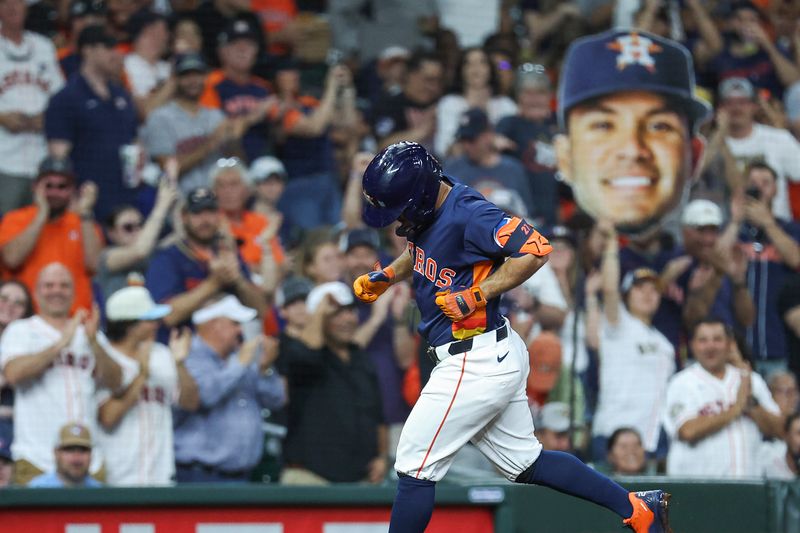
463,254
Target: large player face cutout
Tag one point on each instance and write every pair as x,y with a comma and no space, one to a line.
627,157
628,113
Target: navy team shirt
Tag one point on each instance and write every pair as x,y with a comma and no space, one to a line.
467,241
97,129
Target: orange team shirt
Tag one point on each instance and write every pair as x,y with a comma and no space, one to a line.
246,231
60,241
274,16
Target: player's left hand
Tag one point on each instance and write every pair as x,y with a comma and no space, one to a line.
459,305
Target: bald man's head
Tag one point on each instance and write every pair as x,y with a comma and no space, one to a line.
55,291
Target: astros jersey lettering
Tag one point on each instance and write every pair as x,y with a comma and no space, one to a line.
467,241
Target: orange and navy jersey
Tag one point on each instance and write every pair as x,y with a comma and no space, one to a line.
235,100
469,239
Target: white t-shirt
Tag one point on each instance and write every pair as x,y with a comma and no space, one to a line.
636,362
780,150
731,452
471,20
29,76
63,393
772,457
139,449
448,116
142,76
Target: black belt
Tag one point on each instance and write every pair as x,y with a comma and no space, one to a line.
466,345
208,469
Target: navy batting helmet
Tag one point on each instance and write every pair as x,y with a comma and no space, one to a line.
625,60
401,181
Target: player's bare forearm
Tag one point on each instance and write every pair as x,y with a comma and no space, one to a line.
510,274
402,267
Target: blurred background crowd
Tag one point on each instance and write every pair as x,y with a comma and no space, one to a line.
180,199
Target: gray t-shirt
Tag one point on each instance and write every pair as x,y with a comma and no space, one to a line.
171,130
508,173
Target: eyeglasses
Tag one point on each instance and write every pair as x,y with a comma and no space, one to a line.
503,64
228,162
531,68
130,227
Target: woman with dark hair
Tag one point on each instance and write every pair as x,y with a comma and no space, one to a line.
626,455
320,259
476,86
131,241
15,303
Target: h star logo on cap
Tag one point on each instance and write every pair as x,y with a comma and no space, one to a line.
635,50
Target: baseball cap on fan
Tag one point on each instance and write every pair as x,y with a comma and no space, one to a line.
701,213
292,290
74,434
736,88
94,35
360,237
228,307
639,275
554,416
267,167
59,166
237,29
187,63
201,199
83,8
472,123
134,303
341,294
623,60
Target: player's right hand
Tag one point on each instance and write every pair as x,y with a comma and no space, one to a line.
368,287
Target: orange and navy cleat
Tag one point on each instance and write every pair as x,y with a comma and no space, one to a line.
650,512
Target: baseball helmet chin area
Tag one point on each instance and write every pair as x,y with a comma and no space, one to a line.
401,183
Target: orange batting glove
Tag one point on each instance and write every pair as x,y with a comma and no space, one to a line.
459,305
367,287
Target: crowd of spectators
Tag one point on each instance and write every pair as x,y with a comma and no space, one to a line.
181,226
